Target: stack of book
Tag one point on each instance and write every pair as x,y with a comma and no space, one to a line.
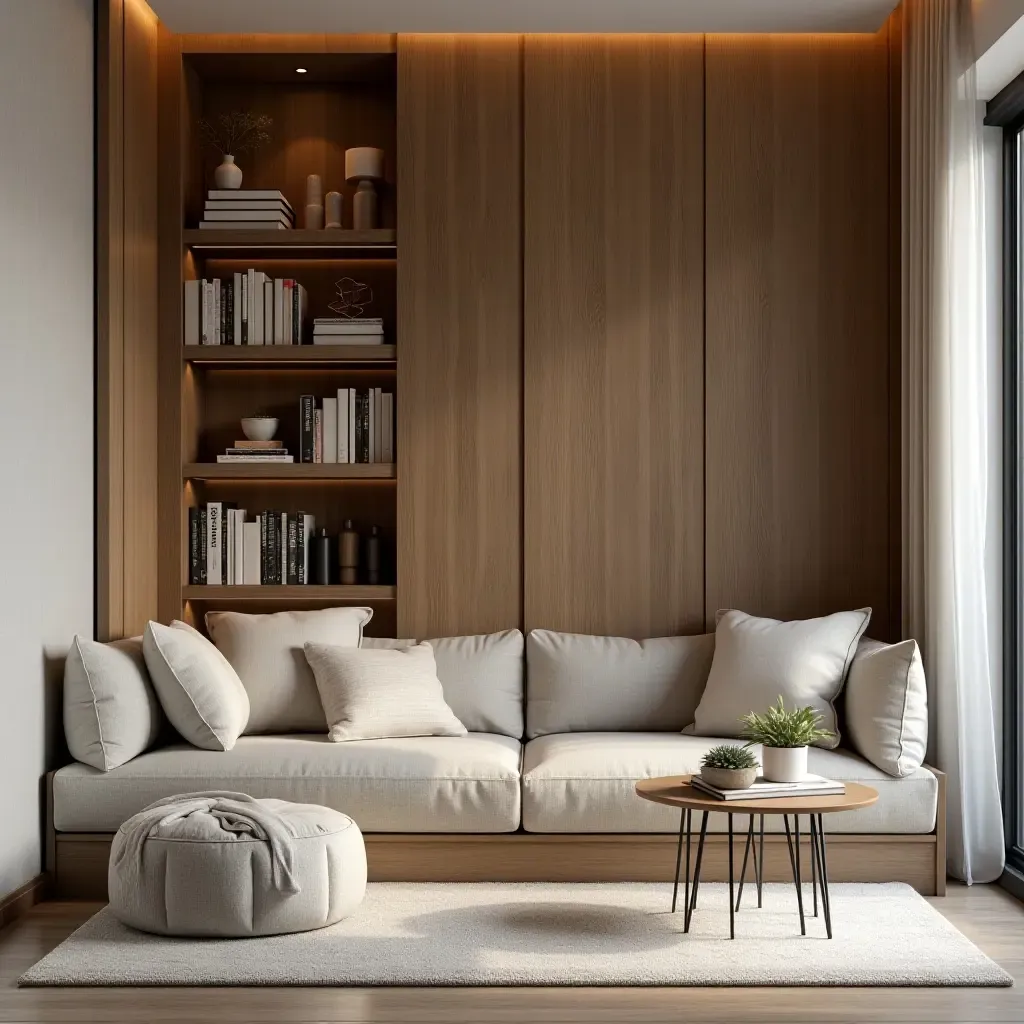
227,549
248,308
810,785
353,426
342,330
256,451
254,208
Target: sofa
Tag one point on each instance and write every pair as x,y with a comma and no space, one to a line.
561,727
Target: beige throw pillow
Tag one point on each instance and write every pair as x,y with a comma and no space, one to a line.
266,652
199,691
111,713
885,709
380,694
757,660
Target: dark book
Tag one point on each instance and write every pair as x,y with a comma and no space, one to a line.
202,545
245,308
193,547
307,405
366,427
357,447
264,559
293,538
229,312
300,548
296,324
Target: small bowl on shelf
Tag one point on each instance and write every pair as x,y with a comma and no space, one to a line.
259,428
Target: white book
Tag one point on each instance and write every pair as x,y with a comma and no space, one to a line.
810,785
342,442
239,546
279,311
353,328
286,312
245,203
269,216
389,426
191,333
268,311
322,321
243,195
348,339
261,334
330,429
247,225
251,563
243,307
214,574
308,532
378,425
204,313
371,395
353,456
250,309
236,310
229,546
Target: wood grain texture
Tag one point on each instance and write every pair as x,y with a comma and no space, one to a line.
798,330
459,335
260,43
985,913
613,345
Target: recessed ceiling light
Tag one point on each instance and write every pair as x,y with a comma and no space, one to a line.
301,71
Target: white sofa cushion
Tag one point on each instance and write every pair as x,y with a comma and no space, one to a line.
111,713
579,683
584,782
421,784
199,691
372,695
885,706
266,651
758,660
482,678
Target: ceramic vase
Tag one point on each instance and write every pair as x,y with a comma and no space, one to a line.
228,174
784,764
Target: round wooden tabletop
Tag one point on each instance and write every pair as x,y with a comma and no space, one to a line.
676,791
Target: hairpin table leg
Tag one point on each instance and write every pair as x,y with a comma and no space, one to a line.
794,862
747,847
696,871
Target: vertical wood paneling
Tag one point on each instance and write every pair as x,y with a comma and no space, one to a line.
798,330
613,361
459,334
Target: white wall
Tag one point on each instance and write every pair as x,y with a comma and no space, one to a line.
46,394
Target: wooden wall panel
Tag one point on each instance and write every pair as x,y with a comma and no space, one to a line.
459,334
613,342
798,331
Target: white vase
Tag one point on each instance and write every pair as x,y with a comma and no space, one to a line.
228,174
784,764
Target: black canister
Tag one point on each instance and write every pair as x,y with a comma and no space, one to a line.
323,558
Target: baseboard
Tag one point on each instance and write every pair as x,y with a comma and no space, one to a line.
526,857
22,899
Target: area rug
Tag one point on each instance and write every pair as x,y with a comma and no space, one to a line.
553,934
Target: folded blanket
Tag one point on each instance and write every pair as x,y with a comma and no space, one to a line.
235,812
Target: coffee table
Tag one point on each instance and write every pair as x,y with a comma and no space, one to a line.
676,791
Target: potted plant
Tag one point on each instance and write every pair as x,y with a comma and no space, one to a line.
241,131
784,737
729,767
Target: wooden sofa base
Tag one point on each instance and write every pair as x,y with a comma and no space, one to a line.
81,859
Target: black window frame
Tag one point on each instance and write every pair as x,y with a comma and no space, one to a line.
1006,111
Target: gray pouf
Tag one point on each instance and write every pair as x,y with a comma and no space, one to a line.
224,864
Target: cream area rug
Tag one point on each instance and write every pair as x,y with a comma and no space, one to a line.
553,934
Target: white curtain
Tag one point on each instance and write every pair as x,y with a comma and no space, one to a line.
948,482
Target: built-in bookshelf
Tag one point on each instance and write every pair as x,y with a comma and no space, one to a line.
345,100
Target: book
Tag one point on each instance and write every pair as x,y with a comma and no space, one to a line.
352,425
203,515
252,457
306,403
260,445
371,423
306,533
326,321
282,539
349,328
251,562
810,785
244,195
329,418
247,203
293,550
341,443
245,225
214,571
268,311
256,451
191,326
270,216
388,425
194,575
298,312
228,550
348,339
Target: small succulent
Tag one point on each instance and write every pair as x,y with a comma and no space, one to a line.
726,756
778,727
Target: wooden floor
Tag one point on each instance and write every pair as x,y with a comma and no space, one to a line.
986,914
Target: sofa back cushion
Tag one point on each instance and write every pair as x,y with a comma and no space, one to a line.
481,676
578,683
267,653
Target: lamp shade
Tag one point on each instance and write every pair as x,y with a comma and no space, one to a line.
364,163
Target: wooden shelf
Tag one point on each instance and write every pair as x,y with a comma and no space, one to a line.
289,355
339,244
288,471
307,593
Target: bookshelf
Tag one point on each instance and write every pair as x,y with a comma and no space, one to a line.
347,98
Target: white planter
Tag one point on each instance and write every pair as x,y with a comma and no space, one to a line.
784,764
228,174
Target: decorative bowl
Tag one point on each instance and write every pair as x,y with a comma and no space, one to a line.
729,778
259,428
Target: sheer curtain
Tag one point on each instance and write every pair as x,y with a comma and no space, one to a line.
947,390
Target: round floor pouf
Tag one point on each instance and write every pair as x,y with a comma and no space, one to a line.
225,864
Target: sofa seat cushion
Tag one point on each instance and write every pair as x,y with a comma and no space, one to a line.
415,784
583,782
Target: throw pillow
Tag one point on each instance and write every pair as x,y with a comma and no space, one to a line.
266,652
380,694
885,707
757,660
584,683
199,691
111,713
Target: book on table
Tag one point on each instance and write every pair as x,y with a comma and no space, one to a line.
762,789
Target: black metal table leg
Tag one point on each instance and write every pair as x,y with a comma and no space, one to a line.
732,906
679,857
794,862
814,863
686,890
696,871
747,847
826,898
759,861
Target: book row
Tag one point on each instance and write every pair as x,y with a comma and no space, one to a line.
249,308
356,425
